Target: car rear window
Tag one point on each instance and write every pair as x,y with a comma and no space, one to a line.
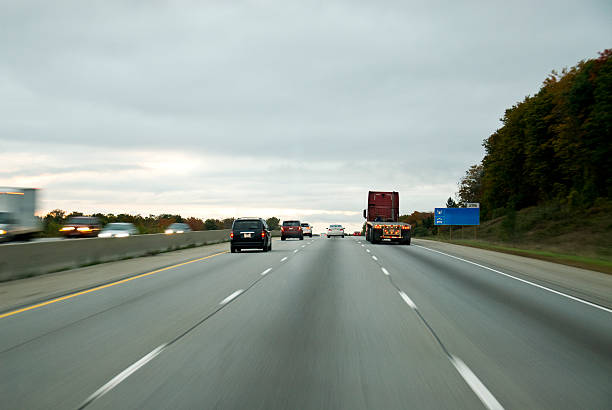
80,220
305,225
291,223
252,224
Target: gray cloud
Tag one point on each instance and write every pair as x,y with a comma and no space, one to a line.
359,95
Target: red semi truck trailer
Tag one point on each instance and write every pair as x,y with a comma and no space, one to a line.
382,219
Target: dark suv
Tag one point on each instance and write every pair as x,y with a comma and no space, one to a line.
250,233
292,229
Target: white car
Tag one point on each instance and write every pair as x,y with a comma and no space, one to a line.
335,230
118,230
306,229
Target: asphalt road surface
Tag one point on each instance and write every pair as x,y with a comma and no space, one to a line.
314,324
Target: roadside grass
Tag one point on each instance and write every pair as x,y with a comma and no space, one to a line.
600,265
581,238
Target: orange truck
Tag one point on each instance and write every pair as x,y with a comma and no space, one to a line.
382,219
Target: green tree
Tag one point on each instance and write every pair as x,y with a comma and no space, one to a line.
211,224
470,186
273,223
450,203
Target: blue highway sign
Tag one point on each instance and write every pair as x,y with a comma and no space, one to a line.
457,216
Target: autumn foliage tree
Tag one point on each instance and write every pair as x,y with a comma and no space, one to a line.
553,146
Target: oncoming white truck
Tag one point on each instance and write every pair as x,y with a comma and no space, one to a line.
17,220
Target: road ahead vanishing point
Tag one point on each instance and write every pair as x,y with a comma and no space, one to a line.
314,324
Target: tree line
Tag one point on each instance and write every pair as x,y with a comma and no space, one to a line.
555,146
55,219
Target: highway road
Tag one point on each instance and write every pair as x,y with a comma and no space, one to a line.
314,324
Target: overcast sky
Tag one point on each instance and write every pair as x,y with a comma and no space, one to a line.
292,109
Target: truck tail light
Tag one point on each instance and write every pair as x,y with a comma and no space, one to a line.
231,235
263,234
405,226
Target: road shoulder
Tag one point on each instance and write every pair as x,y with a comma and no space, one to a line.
592,286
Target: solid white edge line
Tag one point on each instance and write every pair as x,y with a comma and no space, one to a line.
386,272
125,374
408,300
284,259
231,297
476,385
522,280
266,271
374,257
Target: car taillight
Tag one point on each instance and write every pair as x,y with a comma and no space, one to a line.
282,228
263,234
299,228
406,227
231,235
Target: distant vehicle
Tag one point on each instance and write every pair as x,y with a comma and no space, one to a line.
335,230
118,230
17,220
382,219
81,227
177,227
250,233
306,229
292,229
357,233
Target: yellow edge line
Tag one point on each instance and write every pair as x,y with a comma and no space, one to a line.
108,285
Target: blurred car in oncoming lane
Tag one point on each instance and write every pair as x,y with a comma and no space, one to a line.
81,227
118,230
177,227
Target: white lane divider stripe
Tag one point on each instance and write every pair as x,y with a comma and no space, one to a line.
367,250
295,251
523,280
231,297
266,271
284,259
123,375
476,385
303,246
374,257
386,272
408,300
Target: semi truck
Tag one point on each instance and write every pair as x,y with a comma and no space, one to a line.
17,220
382,219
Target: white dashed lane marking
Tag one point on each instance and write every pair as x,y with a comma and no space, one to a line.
232,296
408,300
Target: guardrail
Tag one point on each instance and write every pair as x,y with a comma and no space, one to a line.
32,259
